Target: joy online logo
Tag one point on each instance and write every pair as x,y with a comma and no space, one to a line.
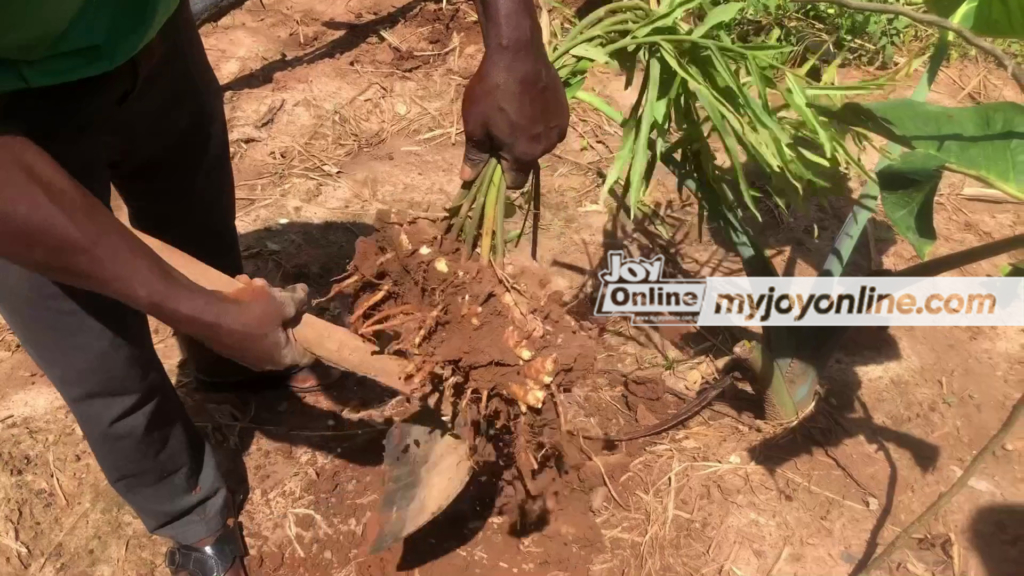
634,287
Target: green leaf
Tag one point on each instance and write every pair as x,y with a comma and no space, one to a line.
984,141
641,150
908,188
598,103
1013,270
591,52
720,14
572,89
944,8
992,18
669,16
999,19
623,156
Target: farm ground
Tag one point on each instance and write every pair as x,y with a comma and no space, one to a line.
339,109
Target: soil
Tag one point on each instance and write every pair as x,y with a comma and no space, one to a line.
343,113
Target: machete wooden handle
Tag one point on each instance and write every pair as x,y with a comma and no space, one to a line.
329,342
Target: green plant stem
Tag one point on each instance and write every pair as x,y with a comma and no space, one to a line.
944,498
489,204
626,42
611,25
599,104
867,201
472,225
600,13
467,202
499,227
950,262
1002,187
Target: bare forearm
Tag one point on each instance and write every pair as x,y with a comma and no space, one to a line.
509,26
51,225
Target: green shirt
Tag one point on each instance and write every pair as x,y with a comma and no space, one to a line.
46,42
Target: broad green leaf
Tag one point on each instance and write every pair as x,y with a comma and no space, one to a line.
999,19
908,188
984,141
720,14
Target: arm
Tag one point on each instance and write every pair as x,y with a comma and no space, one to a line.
51,225
514,107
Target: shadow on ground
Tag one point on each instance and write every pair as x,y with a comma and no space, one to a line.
673,229
997,534
355,34
314,254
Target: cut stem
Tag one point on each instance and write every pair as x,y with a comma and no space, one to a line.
470,228
488,225
499,227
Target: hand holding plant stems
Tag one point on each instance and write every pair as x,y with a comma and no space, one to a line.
514,111
693,87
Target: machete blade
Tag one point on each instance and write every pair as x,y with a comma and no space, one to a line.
426,469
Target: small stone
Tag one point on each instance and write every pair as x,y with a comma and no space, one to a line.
1008,447
644,416
328,554
598,498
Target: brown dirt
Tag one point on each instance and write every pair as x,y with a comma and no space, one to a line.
364,126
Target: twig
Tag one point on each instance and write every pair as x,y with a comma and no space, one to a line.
944,264
56,481
42,562
290,529
921,18
607,482
255,206
971,86
944,498
778,561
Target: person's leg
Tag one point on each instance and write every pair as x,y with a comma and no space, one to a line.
172,164
99,355
171,161
172,167
98,352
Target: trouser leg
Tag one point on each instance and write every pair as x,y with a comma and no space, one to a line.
172,163
98,352
99,355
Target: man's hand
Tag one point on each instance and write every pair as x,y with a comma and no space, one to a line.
254,326
514,107
50,225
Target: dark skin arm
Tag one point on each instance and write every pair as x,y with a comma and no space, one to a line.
514,107
51,225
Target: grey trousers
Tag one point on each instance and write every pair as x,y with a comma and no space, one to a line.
155,128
